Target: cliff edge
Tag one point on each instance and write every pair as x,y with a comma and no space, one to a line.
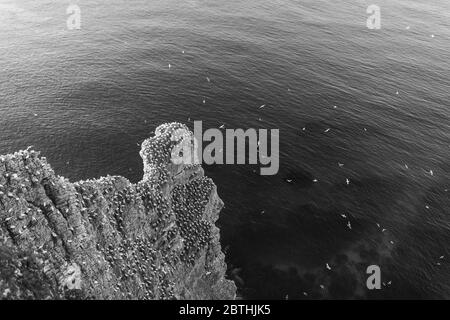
109,238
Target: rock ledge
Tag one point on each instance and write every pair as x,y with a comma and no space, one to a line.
109,238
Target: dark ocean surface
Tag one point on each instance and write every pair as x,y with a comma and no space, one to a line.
87,99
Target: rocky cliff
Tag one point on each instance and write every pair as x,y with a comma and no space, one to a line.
109,238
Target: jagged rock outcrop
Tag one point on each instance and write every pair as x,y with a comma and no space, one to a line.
109,238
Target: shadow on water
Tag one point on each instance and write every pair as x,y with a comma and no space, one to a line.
284,253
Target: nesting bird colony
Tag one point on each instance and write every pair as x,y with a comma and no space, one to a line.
108,238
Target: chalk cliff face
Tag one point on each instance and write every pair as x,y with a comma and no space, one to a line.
109,238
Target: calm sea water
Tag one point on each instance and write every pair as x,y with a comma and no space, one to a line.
87,99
